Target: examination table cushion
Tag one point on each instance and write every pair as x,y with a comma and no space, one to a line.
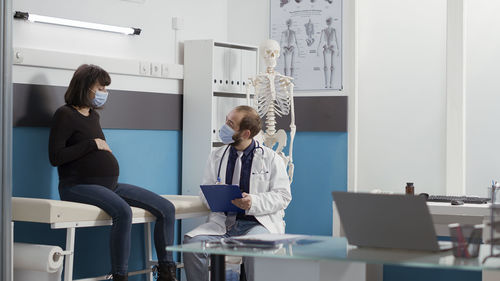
58,211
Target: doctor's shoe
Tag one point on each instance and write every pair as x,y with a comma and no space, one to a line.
166,271
118,277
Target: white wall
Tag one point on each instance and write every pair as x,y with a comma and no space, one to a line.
248,21
401,95
482,80
202,19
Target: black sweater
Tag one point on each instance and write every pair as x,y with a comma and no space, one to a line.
73,150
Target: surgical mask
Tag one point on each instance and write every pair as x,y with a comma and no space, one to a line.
226,134
100,98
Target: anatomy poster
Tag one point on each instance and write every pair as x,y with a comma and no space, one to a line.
310,36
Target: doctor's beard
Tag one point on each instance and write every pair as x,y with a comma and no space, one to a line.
237,139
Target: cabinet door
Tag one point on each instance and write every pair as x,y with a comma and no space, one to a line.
219,67
248,67
235,71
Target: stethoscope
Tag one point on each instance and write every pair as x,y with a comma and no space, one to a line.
257,146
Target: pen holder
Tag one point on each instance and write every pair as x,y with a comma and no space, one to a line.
466,239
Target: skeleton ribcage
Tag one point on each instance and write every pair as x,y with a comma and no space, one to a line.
279,102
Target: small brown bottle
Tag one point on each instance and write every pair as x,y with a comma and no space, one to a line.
409,189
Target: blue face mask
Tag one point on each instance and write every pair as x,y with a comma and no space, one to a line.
100,98
226,134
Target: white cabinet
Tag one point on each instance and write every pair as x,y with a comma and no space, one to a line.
215,79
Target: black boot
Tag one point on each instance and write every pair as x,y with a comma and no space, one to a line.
118,277
166,271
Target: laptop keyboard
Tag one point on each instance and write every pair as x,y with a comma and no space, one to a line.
465,199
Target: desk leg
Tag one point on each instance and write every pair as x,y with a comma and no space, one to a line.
217,267
337,228
374,272
70,246
12,251
148,249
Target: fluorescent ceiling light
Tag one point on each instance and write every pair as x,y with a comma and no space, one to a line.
75,23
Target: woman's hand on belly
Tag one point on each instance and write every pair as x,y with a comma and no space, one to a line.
102,145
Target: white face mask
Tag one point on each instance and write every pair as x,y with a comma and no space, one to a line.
100,98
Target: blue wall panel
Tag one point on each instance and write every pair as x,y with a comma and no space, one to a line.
151,159
320,167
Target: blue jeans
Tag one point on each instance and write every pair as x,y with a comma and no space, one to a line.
196,264
117,205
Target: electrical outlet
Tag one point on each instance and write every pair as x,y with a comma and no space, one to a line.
164,70
18,57
156,69
145,68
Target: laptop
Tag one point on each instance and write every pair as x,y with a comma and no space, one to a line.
387,221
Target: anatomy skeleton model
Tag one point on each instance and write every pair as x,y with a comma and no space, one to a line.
331,47
290,46
310,32
274,96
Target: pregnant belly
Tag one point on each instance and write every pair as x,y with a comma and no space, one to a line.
98,164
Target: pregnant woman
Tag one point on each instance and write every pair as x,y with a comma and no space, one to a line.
88,172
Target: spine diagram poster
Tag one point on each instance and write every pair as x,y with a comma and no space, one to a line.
310,36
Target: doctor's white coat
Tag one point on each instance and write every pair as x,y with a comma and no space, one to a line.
269,189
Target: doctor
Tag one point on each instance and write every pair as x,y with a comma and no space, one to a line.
262,177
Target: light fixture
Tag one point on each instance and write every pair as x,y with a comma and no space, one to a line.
75,23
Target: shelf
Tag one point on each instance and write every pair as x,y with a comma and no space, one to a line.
235,46
231,95
217,144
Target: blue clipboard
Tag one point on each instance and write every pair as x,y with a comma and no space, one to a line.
219,197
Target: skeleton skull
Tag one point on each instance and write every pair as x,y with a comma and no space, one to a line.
270,51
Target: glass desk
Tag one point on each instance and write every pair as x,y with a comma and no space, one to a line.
336,249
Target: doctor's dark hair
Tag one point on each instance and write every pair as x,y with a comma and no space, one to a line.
251,120
83,79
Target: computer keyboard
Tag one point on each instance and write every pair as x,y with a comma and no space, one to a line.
465,199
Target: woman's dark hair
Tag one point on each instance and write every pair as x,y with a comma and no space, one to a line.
83,79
